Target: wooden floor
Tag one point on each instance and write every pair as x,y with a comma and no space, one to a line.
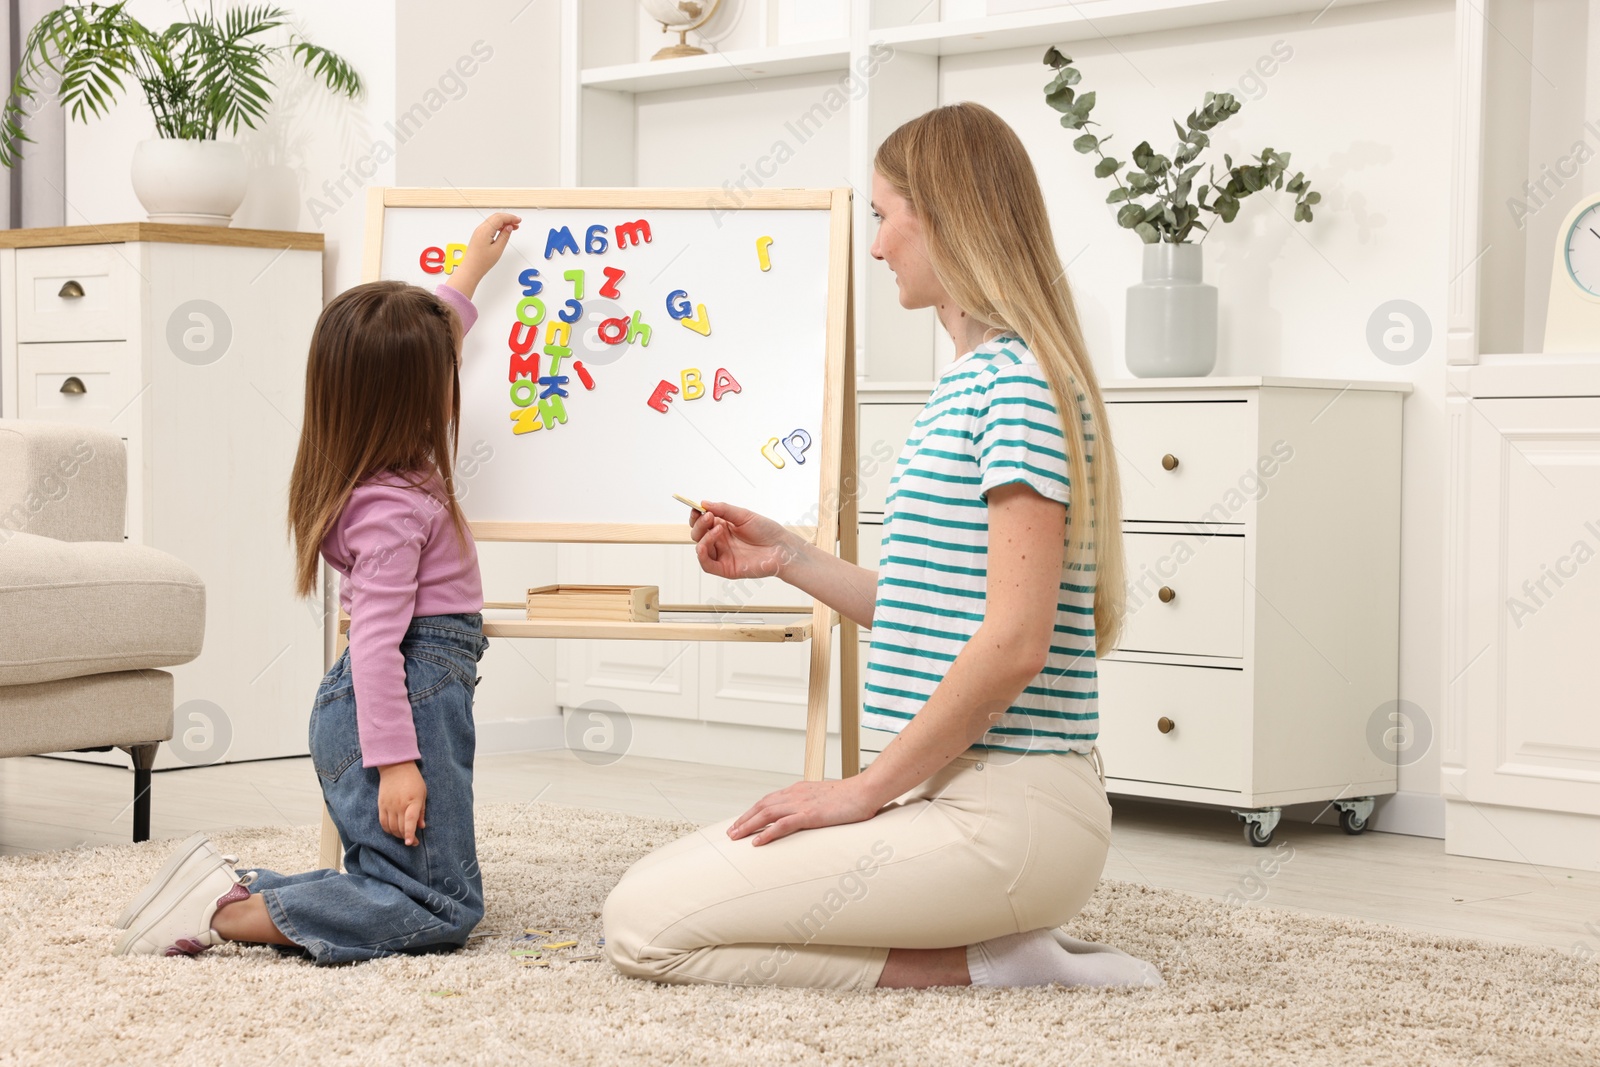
48,804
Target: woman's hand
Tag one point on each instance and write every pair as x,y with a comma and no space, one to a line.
402,798
732,542
484,249
805,806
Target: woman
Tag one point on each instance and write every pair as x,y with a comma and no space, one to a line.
984,825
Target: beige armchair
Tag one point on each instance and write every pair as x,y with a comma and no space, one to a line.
85,617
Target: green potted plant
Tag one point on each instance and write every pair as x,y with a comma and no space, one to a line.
203,74
1172,313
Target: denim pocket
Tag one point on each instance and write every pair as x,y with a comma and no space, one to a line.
335,739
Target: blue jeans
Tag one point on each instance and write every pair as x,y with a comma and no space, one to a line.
393,898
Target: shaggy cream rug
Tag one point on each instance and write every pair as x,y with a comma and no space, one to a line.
1246,985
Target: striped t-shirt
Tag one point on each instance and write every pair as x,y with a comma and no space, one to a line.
991,420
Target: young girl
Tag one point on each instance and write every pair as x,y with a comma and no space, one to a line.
391,731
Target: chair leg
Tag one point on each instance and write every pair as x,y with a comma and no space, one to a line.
144,758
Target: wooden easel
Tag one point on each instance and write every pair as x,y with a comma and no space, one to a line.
836,508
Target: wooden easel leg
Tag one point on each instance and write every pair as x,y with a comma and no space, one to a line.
817,693
330,852
849,549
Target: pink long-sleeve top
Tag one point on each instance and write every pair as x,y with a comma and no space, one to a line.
398,556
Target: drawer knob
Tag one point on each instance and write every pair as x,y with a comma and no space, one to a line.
1169,462
1165,724
70,290
1166,594
74,386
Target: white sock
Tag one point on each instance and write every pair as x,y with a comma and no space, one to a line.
1040,957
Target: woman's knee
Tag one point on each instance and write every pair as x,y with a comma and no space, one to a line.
623,920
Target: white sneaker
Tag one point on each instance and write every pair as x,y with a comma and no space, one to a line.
172,917
193,856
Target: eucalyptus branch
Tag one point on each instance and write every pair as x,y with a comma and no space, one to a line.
1169,215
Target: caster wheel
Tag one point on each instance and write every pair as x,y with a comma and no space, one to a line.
1254,834
1352,823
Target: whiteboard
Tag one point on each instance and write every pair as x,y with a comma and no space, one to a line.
631,428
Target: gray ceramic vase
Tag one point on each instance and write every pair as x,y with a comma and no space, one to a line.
1172,315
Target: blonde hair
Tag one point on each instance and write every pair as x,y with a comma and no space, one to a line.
971,185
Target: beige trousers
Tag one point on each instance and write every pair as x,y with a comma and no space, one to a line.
995,843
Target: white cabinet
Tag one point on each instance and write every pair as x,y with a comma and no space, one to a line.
190,343
1262,536
1521,736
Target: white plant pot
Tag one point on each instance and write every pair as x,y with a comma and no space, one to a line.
193,183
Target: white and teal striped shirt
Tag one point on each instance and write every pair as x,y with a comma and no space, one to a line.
991,421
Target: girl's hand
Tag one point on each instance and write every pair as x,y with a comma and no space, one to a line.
732,542
484,249
805,806
402,797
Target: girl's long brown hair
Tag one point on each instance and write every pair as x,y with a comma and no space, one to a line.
382,362
973,188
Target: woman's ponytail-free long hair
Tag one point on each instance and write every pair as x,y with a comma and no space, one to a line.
382,395
968,178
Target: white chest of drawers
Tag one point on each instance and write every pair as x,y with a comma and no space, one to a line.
190,342
1262,531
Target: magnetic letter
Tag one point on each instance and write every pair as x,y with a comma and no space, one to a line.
529,335
805,443
552,387
724,383
614,331
583,374
558,335
693,387
762,255
663,394
634,230
701,323
576,312
552,411
560,241
770,450
534,317
609,290
576,278
453,254
527,420
678,304
522,392
594,241
523,366
432,260
639,329
529,280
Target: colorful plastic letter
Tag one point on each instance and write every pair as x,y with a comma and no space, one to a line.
552,387
552,411
639,329
770,450
762,255
614,331
724,383
432,260
693,387
678,304
523,367
529,280
573,313
523,392
527,420
609,290
527,317
662,395
560,241
594,241
523,345
701,323
558,335
805,443
453,255
576,278
635,229
583,374
556,354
